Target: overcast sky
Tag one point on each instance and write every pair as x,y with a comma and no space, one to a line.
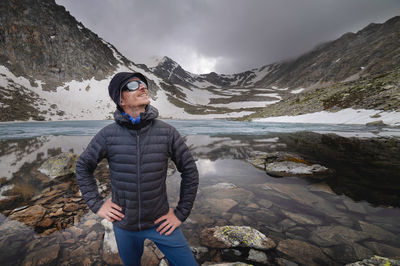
225,36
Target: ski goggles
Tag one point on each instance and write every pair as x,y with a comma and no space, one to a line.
134,85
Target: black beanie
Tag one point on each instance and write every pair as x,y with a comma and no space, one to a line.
119,81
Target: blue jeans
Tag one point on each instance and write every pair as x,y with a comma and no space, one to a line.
174,247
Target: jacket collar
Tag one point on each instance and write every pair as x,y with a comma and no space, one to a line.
146,118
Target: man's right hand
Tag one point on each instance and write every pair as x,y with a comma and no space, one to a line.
110,211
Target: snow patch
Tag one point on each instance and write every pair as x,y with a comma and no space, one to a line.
260,74
273,95
168,110
279,89
297,90
345,116
247,104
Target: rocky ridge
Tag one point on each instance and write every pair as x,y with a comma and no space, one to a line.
372,50
42,41
378,92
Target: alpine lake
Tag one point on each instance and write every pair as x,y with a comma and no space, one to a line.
348,213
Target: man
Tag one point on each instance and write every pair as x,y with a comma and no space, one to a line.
137,147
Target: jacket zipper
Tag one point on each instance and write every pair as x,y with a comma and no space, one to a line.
138,172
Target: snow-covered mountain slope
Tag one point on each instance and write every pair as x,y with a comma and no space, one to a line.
63,72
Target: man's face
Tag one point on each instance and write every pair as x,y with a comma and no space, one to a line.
135,99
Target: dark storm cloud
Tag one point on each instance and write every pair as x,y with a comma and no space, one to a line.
234,35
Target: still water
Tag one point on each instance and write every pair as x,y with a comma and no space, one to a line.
351,214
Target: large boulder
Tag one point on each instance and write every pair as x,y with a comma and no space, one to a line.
44,256
235,236
59,165
281,164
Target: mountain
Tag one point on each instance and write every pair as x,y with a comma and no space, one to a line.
171,71
53,68
41,39
359,71
372,50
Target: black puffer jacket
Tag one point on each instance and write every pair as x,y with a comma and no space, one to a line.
138,160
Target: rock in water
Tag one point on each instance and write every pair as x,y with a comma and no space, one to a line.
288,168
302,252
378,123
235,236
257,256
375,260
60,165
280,164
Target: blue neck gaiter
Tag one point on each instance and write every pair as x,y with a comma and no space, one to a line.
133,120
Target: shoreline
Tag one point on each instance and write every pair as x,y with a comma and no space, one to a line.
346,116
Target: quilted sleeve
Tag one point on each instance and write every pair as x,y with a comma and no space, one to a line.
85,166
186,165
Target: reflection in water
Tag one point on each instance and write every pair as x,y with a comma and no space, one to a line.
206,167
334,215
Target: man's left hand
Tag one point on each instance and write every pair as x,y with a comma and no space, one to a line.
171,222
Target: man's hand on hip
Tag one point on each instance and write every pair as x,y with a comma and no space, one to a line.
171,222
110,211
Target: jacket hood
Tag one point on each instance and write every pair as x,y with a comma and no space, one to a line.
149,114
119,81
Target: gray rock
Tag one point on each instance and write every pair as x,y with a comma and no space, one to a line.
265,203
302,252
383,249
232,251
376,260
235,236
227,264
60,165
348,252
354,206
288,168
287,223
227,191
302,195
151,254
321,187
47,256
325,236
218,206
221,186
284,262
343,219
301,218
257,256
377,232
200,252
377,123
